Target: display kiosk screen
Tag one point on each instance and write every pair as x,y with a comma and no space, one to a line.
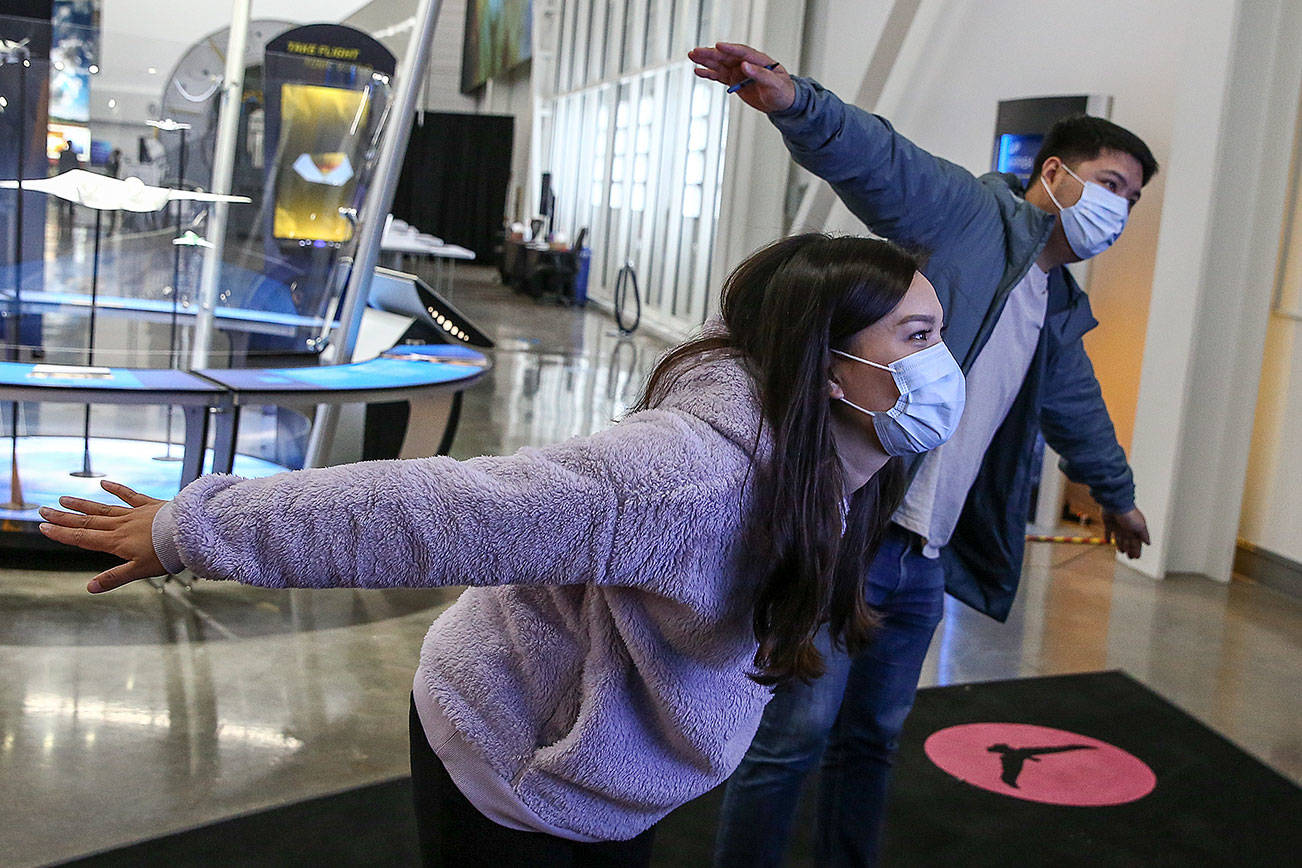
1016,154
58,136
322,129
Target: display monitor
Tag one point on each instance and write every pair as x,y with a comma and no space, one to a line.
58,135
1021,124
322,131
1016,154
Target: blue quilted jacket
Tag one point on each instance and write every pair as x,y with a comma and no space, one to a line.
982,237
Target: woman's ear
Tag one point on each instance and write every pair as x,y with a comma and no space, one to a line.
834,390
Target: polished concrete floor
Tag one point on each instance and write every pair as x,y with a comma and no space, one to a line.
141,712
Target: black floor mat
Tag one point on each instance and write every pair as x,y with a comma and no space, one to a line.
1211,804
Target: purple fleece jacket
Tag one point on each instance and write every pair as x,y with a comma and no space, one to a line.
598,662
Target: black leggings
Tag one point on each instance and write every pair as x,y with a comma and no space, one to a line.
453,834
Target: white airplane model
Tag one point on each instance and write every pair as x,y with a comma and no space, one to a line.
112,194
13,51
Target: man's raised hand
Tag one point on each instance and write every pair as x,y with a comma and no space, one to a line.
732,63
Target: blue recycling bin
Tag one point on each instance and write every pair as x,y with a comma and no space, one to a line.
581,277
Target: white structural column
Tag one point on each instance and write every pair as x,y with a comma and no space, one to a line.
223,166
379,200
816,204
388,167
750,208
1226,181
903,50
542,86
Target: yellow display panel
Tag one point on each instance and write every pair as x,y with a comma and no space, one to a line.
321,128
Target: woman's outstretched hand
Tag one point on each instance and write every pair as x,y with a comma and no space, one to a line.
732,63
124,531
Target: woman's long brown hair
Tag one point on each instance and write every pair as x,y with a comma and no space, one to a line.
785,308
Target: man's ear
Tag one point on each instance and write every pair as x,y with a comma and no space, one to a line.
1050,168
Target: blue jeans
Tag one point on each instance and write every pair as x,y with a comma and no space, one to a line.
850,719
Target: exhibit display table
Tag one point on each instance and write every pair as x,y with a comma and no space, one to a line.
73,385
395,247
429,377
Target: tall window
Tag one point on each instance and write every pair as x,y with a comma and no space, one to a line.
636,144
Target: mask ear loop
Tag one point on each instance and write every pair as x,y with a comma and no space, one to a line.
864,410
1052,197
1068,170
865,361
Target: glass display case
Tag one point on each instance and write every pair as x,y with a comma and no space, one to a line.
108,243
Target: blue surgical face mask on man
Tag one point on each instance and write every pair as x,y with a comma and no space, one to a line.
932,394
1095,222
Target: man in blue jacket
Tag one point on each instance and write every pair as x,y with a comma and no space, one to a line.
1014,320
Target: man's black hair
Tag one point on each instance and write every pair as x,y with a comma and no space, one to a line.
1083,137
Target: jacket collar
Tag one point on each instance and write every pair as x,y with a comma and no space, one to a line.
1029,229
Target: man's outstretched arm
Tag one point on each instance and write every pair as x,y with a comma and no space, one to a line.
898,190
1076,424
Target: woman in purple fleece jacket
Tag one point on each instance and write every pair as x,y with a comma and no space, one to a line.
633,594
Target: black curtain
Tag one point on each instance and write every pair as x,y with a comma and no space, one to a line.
454,178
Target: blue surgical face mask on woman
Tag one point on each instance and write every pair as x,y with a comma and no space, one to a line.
1095,222
932,394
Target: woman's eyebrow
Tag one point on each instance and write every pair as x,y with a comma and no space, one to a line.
917,317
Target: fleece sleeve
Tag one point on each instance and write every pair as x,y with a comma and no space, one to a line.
163,532
540,516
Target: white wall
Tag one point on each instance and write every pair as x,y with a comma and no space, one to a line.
752,198
125,136
513,95
388,20
138,34
1216,266
1272,497
838,62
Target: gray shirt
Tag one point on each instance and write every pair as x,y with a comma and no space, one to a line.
935,499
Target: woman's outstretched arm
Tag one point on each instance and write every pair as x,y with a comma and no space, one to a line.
540,516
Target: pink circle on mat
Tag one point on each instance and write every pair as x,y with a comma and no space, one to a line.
1040,764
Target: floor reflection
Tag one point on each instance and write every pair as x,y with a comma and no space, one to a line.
34,615
556,373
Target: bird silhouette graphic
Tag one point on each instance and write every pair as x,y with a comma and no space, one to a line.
1014,758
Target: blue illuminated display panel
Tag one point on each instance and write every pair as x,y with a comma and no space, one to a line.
1017,154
